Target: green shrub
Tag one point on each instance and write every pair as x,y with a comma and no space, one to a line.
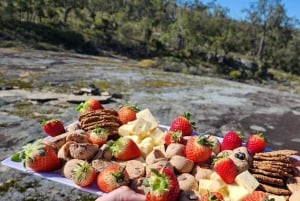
147,63
45,46
235,75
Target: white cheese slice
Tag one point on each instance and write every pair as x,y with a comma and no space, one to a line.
141,127
246,180
211,186
158,136
126,129
236,192
146,146
147,115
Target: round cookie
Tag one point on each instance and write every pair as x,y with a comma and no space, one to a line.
244,150
241,159
187,182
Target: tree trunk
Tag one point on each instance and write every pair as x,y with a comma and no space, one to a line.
260,52
66,13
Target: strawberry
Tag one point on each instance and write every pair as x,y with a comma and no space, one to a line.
124,148
89,105
183,124
163,185
212,196
256,196
173,137
225,168
98,135
38,156
83,174
112,177
198,149
127,113
231,140
53,127
256,143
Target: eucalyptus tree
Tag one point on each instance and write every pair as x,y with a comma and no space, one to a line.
275,32
265,16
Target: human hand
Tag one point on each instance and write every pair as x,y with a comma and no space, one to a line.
123,193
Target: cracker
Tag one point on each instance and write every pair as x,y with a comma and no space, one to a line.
102,125
269,180
274,163
282,158
267,173
98,113
287,152
274,190
103,118
275,169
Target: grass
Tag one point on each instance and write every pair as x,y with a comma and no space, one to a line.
4,187
287,81
14,82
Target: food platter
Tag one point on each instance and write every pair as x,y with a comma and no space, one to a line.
53,176
57,177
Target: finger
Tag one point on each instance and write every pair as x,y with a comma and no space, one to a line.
123,193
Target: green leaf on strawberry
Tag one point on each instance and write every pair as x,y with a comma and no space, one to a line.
162,185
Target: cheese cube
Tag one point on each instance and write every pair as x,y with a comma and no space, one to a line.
147,115
215,176
246,180
126,129
135,138
211,186
141,127
158,136
236,192
146,146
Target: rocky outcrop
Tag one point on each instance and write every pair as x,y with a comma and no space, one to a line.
216,106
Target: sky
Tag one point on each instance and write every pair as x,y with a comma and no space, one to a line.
236,6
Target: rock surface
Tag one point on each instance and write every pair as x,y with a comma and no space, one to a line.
216,106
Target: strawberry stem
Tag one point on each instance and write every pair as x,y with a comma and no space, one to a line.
120,175
158,182
79,107
203,140
100,131
133,106
187,115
